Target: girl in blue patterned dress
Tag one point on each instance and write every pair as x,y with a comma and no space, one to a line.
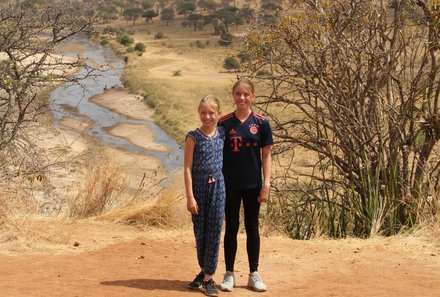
205,190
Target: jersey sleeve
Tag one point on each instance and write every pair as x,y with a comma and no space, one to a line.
266,134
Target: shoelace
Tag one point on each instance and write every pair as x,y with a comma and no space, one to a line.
256,278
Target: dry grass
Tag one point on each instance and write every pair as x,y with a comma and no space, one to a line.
105,195
165,209
16,208
165,212
102,187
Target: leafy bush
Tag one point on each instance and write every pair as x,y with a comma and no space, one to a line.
112,30
159,35
231,63
125,39
140,47
200,44
244,57
225,39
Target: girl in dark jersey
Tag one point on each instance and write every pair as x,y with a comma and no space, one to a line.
205,190
246,168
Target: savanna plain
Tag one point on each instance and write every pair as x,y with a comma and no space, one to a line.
142,244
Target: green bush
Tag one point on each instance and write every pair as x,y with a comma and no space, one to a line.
112,30
200,44
125,39
225,39
159,35
244,57
140,47
231,63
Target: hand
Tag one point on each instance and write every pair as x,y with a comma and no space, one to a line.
264,194
191,206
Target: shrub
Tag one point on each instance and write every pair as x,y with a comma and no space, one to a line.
200,44
225,39
125,39
244,57
231,63
140,47
159,35
263,73
112,30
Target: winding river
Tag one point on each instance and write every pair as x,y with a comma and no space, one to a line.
73,100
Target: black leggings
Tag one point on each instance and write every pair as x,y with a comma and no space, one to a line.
232,214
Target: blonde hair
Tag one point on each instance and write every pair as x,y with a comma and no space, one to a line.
210,99
244,81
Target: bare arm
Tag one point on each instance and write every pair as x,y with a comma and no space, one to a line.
267,167
191,203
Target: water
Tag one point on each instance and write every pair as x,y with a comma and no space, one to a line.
78,97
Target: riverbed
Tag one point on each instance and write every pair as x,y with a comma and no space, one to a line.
108,125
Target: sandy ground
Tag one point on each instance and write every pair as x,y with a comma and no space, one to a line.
113,260
95,258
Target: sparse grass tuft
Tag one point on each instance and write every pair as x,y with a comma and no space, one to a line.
166,211
16,206
102,187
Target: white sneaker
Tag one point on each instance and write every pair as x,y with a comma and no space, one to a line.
256,283
228,282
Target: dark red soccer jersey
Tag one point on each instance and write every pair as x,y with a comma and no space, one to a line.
242,150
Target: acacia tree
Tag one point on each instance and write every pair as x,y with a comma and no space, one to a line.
357,85
28,38
167,15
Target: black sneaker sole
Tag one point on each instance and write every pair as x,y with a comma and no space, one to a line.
194,287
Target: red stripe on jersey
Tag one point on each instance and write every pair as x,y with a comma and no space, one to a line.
260,116
225,117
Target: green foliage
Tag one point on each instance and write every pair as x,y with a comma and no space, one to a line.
113,30
200,44
167,15
231,63
196,21
140,47
185,8
226,39
132,13
108,12
244,57
159,35
149,15
125,39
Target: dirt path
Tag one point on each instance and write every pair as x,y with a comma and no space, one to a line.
160,263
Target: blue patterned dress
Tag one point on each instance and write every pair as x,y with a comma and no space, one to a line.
209,191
